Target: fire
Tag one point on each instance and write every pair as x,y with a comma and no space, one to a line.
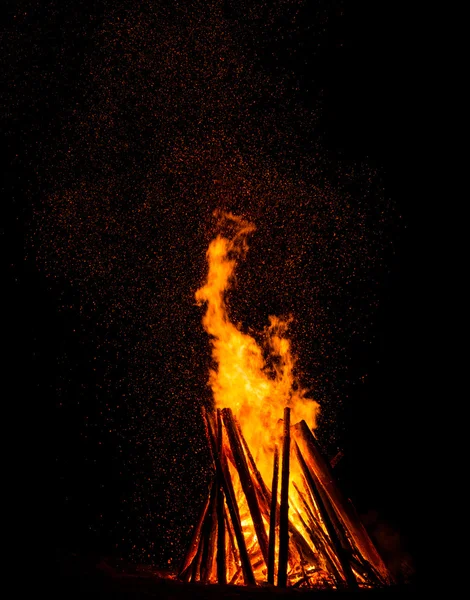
241,378
321,541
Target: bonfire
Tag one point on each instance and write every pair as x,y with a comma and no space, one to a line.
274,513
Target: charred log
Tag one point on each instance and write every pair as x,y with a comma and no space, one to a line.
313,485
272,520
246,481
284,508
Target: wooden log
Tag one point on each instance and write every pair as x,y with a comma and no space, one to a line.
284,508
196,564
313,485
272,519
302,560
211,435
265,503
209,534
235,576
232,546
315,532
185,570
259,479
248,575
343,507
265,499
316,520
336,521
365,569
263,493
223,473
220,557
246,481
193,546
381,576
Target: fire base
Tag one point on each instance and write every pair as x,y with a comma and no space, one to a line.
307,536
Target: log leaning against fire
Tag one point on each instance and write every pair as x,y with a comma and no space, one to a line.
273,517
265,502
246,481
315,532
191,570
221,558
325,516
343,507
185,571
284,509
265,499
224,475
208,537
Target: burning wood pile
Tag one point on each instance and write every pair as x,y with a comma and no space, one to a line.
300,531
311,538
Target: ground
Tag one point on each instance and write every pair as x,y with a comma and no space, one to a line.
85,577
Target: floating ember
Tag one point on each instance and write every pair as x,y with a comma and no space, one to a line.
254,529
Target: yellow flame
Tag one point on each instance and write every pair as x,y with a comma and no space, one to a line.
241,379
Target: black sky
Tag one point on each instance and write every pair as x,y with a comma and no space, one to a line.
116,469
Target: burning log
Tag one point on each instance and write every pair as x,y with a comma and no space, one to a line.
236,576
221,563
305,526
246,481
333,515
272,520
185,572
262,486
208,537
223,474
316,535
193,556
198,565
313,485
284,509
341,505
218,550
233,552
321,540
365,570
266,503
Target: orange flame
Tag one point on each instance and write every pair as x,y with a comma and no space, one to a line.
241,379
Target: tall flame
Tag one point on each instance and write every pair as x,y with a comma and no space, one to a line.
241,378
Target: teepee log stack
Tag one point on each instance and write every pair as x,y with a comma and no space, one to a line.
309,536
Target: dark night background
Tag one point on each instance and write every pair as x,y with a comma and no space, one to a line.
365,69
